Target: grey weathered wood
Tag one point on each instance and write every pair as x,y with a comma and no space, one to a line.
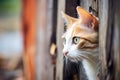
44,67
60,29
117,39
109,39
103,20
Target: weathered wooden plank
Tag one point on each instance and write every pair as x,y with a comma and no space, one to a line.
44,68
112,42
103,20
117,38
110,39
60,30
29,23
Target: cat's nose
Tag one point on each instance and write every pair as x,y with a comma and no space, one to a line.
65,53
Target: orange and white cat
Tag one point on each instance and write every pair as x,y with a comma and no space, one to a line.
81,41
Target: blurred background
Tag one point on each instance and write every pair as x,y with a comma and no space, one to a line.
31,43
11,39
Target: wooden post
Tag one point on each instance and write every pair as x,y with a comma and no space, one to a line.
29,19
103,20
116,38
109,39
44,67
60,30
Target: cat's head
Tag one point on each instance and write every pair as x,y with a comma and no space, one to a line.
81,37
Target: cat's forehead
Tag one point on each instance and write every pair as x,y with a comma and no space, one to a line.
78,28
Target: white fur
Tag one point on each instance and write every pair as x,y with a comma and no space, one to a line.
68,39
90,69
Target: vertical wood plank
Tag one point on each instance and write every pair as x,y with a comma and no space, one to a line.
86,4
117,39
29,23
103,20
112,42
60,30
109,39
44,67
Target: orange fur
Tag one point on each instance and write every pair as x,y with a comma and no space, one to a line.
87,18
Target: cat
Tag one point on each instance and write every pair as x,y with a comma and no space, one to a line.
81,41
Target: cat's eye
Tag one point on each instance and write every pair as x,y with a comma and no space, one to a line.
75,40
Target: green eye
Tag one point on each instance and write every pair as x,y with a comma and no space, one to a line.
76,40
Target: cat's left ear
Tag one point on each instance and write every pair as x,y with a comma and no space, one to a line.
68,19
87,18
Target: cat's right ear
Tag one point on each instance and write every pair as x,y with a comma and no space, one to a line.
68,19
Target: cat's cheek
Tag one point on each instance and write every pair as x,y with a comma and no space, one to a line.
73,48
73,53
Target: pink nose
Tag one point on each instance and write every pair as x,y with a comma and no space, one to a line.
65,53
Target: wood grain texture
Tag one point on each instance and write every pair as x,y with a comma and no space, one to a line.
117,39
103,20
44,67
109,38
60,30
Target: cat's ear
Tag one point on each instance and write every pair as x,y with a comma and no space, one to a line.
68,19
87,18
